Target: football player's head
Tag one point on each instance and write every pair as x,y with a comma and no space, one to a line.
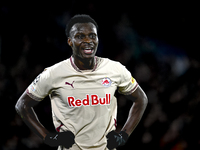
83,18
82,36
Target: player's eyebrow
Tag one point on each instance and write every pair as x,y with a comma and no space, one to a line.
80,32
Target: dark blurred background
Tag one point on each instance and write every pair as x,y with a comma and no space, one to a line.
157,41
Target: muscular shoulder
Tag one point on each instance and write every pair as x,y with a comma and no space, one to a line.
58,69
110,64
60,65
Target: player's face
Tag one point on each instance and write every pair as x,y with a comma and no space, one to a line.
83,40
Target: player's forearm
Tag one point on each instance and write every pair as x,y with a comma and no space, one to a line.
135,114
30,118
33,123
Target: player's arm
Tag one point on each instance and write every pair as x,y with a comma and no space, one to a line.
24,108
140,101
135,114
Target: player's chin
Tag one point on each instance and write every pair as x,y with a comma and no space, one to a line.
87,58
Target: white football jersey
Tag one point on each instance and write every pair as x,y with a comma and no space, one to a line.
83,101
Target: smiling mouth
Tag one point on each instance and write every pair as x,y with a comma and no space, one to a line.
88,51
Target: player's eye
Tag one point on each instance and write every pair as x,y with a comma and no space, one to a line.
80,36
93,36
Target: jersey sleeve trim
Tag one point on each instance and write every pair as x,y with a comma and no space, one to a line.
33,96
128,93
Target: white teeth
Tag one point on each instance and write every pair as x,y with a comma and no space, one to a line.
88,50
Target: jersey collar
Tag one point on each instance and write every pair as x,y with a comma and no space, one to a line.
77,69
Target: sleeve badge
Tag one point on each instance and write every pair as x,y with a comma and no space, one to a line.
132,80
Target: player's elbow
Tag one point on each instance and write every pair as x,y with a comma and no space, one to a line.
145,100
142,101
19,106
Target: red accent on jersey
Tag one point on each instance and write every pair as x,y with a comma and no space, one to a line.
58,128
90,100
105,82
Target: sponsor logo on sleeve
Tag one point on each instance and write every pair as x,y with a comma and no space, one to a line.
32,87
36,79
132,80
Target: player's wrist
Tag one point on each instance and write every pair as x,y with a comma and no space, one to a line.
51,139
65,139
115,139
124,135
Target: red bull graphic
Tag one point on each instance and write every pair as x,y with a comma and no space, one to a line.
90,100
106,82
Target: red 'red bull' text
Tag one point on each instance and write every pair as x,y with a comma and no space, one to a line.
90,100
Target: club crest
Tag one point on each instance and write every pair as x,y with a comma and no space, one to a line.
106,82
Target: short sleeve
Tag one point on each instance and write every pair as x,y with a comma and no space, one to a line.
41,86
127,84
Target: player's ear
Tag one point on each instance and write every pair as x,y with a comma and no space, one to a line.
69,41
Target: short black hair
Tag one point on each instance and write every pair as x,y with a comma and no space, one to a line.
80,18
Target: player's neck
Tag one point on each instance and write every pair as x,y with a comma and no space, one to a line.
84,64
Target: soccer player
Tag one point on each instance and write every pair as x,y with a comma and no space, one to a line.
81,89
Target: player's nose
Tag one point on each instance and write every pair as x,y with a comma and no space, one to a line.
87,40
88,43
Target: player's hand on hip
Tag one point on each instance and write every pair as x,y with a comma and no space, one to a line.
65,139
114,139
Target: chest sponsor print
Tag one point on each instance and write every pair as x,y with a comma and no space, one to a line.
90,100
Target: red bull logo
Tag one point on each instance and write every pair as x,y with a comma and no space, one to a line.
106,82
90,100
